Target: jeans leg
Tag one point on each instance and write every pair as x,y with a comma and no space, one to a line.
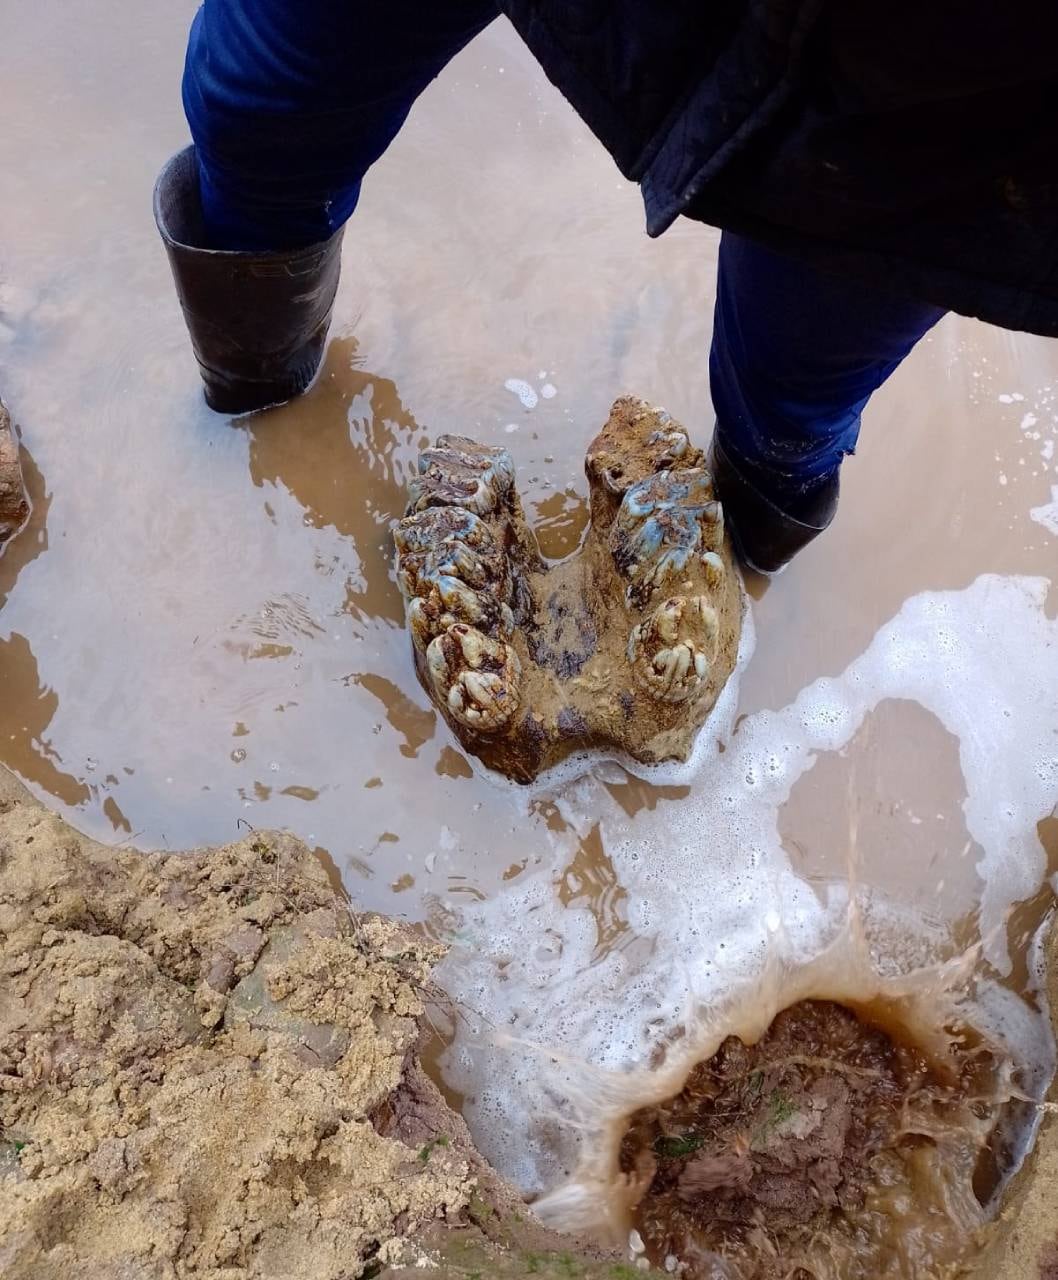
290,102
796,355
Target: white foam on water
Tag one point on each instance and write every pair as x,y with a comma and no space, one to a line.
1047,515
710,890
524,391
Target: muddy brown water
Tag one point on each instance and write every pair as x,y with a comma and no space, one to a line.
201,631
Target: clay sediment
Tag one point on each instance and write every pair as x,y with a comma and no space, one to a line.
209,1068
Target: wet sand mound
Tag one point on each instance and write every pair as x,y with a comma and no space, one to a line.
827,1149
208,1069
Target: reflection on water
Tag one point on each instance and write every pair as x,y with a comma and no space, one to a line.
28,705
200,628
342,452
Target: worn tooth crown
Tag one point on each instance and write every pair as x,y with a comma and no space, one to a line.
475,677
626,644
672,651
663,522
460,472
713,566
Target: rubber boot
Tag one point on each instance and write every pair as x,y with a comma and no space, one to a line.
766,535
257,321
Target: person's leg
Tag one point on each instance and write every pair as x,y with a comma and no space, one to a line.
796,355
291,101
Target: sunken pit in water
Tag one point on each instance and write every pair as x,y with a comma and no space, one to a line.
832,1148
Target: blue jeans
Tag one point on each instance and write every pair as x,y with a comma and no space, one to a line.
290,102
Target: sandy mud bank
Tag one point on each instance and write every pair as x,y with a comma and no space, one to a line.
208,1068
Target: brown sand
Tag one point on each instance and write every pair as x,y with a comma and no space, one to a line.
192,1050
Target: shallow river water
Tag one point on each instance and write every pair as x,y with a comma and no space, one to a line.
201,630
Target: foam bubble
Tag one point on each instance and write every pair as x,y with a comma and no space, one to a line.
1047,515
524,391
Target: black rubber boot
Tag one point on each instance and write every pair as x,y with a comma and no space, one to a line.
258,321
768,536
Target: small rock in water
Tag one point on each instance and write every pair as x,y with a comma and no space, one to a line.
14,506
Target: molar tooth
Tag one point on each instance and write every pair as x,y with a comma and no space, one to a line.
481,699
714,569
672,650
477,687
663,522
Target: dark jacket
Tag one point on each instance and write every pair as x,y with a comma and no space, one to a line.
910,143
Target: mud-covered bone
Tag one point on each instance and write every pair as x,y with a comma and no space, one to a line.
14,506
663,523
475,677
637,441
623,647
459,472
672,651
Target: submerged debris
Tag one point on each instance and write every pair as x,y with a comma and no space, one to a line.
829,1149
